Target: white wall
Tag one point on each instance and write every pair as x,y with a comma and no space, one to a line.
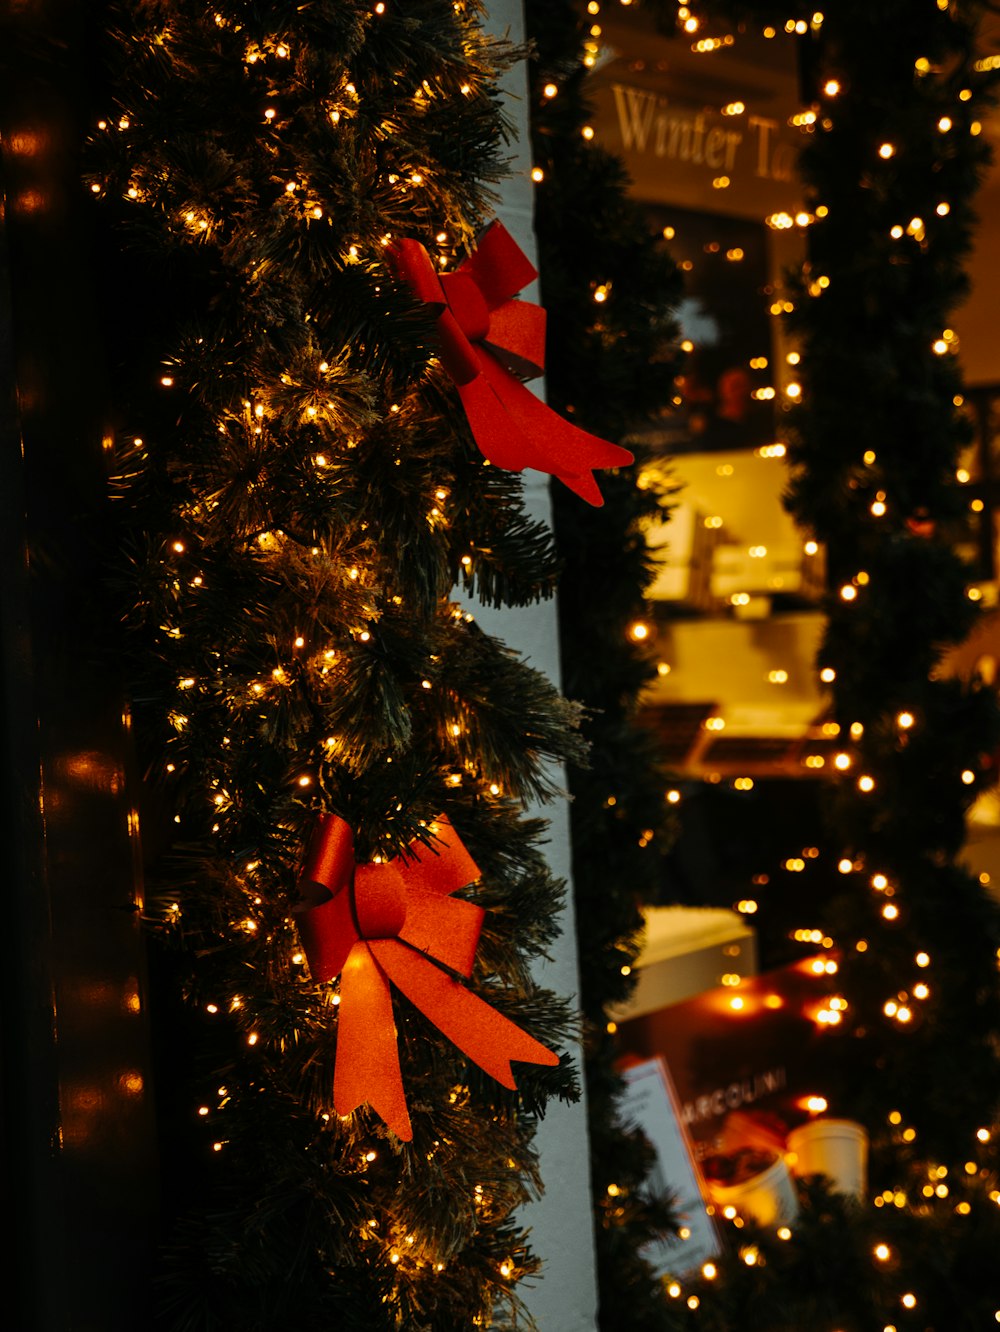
565,1299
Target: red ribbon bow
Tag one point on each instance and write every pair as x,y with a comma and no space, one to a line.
391,922
487,340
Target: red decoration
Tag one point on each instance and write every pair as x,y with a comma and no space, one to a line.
488,339
393,921
921,524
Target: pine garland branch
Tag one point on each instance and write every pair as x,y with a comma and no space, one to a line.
297,493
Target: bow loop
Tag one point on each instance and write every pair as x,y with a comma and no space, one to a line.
413,264
329,861
499,266
516,338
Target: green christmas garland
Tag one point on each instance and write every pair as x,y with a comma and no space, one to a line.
299,493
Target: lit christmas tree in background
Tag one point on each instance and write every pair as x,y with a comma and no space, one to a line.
892,136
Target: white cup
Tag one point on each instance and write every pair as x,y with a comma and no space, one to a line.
769,1197
837,1148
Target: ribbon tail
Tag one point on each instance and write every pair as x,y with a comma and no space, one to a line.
496,436
560,447
584,485
457,353
367,1067
487,1037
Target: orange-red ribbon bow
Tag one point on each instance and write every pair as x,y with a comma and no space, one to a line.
392,922
487,340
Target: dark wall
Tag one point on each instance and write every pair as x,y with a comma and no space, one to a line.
75,1096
